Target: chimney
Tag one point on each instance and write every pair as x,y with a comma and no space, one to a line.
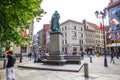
84,21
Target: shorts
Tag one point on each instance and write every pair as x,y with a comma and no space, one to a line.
10,73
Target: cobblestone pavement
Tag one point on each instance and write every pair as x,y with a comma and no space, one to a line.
97,71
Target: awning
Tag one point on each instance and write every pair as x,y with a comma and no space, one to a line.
115,44
98,46
108,45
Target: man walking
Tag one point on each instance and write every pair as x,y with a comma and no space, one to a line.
112,57
10,65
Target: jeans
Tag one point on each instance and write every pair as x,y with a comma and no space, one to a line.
112,60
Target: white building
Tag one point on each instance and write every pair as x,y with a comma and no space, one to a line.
73,36
89,33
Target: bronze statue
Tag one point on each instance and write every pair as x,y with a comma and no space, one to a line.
55,22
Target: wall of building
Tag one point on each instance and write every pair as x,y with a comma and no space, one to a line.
113,8
72,31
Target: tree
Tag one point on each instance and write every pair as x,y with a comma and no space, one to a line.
15,16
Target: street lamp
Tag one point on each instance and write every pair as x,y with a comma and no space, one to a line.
102,15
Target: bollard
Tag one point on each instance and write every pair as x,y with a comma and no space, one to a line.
90,59
4,63
86,72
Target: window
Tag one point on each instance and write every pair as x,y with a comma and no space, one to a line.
80,41
81,29
23,49
65,27
65,41
81,35
87,27
74,27
75,34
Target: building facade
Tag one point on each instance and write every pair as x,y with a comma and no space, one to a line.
73,36
76,36
89,33
114,13
96,36
44,38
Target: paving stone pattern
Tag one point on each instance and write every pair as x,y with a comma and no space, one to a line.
97,71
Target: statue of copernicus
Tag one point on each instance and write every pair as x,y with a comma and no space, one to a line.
55,22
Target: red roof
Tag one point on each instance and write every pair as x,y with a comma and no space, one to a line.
93,25
96,26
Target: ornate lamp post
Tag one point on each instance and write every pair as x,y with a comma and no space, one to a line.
102,15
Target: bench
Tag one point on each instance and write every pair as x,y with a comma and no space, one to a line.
54,62
73,59
4,61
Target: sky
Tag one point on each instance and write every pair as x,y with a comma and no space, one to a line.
71,9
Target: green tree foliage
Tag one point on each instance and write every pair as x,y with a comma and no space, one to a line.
14,15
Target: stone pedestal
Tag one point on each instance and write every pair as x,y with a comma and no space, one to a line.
55,56
55,43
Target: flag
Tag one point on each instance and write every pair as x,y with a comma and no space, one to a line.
110,37
25,33
101,26
114,22
118,35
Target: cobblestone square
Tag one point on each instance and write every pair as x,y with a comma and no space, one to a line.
97,71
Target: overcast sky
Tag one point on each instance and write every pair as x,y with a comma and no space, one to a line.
71,9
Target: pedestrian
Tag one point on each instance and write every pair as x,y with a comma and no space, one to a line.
36,56
93,53
112,57
89,53
30,55
10,65
82,54
21,57
66,53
